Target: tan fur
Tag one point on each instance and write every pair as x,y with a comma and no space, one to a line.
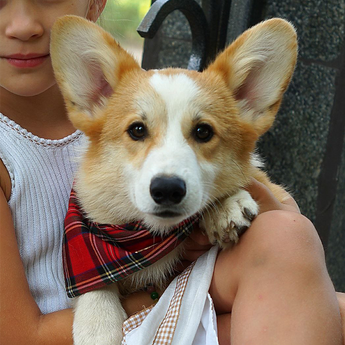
106,91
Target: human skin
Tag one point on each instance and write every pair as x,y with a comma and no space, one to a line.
341,300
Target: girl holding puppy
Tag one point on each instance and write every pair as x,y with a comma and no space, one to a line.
261,282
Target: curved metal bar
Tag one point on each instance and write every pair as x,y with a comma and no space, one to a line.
160,9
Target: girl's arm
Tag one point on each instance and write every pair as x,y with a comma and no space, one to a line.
341,300
21,321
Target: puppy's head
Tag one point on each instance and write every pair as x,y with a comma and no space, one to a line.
165,144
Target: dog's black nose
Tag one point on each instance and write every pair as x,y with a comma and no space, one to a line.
167,190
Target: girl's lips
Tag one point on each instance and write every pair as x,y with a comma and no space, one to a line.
26,61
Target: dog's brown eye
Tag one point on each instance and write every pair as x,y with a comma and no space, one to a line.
203,133
137,131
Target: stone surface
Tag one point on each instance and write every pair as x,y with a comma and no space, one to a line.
239,19
171,48
336,243
176,26
319,23
293,149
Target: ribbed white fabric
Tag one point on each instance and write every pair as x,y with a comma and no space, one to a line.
41,172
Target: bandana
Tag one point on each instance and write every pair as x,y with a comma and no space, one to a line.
96,255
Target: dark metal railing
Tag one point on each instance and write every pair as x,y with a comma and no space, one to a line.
160,9
209,24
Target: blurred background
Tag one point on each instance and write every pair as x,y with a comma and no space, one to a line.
121,18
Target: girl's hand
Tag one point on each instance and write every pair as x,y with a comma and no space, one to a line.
195,245
267,201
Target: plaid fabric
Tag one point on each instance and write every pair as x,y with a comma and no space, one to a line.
95,255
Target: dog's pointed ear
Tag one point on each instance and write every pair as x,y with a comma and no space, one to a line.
88,65
257,68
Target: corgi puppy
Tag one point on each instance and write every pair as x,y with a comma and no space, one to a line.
164,145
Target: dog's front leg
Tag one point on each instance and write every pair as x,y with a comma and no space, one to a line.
98,318
226,223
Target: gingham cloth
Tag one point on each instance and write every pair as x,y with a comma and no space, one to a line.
95,255
184,315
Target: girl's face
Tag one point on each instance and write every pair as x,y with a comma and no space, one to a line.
25,65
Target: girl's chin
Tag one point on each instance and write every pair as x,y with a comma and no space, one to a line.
27,82
29,88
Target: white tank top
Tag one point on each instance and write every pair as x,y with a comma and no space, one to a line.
41,172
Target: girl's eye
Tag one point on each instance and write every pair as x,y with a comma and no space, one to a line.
137,131
203,133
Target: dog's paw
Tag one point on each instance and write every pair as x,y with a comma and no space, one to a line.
225,224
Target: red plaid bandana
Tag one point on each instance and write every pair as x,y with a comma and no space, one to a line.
95,255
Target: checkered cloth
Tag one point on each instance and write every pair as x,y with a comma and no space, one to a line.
166,330
95,255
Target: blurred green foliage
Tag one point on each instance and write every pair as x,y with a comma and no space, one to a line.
122,17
